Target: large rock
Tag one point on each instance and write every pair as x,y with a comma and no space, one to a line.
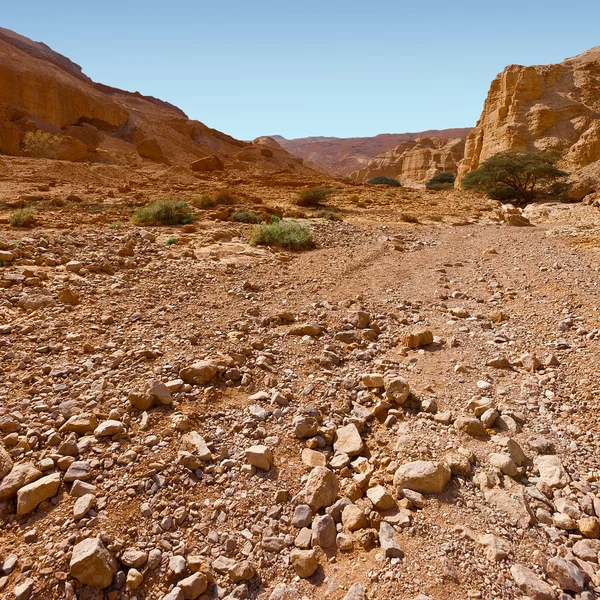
71,149
150,148
321,488
33,494
208,163
530,584
415,162
92,564
348,440
551,470
423,476
550,107
199,373
566,574
6,463
19,476
304,562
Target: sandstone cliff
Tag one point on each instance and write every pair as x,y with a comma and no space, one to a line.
343,156
413,163
551,107
41,89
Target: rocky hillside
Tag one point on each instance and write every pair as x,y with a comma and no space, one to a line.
413,163
43,90
550,107
343,156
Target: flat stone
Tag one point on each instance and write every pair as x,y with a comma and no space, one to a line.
92,564
530,584
109,428
199,373
348,440
19,476
422,476
387,539
83,506
33,494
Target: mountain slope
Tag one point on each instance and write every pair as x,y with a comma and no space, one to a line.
41,89
343,156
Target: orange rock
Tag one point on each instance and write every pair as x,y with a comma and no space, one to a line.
209,163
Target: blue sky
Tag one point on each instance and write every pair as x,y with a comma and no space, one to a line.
333,68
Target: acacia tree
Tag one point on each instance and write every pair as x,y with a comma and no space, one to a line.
514,175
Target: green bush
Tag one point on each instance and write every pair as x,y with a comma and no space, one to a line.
246,216
312,196
408,218
328,215
226,197
24,217
384,181
204,201
284,234
515,174
41,144
441,181
163,213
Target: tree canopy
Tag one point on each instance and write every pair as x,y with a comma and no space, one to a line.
514,175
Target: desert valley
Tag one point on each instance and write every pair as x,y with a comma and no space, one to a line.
297,369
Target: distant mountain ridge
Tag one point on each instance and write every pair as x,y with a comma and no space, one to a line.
343,156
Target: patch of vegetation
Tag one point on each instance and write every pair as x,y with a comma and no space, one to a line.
171,241
116,225
163,213
355,199
514,175
436,218
204,201
312,196
384,181
290,235
246,216
40,144
24,217
441,181
408,218
226,197
275,219
328,215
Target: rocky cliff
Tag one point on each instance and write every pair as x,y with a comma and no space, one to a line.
414,162
343,156
43,90
550,107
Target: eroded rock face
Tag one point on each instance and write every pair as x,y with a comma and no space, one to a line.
549,107
414,163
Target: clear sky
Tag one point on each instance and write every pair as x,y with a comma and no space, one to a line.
310,67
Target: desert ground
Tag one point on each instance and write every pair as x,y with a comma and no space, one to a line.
189,388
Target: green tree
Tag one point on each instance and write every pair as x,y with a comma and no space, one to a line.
514,175
441,181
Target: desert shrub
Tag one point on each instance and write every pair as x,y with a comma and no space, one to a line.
384,181
41,144
517,173
408,218
328,215
246,216
204,201
163,213
284,234
24,217
441,181
355,198
226,197
312,196
436,218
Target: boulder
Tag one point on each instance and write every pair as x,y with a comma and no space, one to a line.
150,149
304,562
260,457
530,584
6,463
321,488
34,493
348,440
19,476
92,564
199,373
208,163
423,476
71,149
551,471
